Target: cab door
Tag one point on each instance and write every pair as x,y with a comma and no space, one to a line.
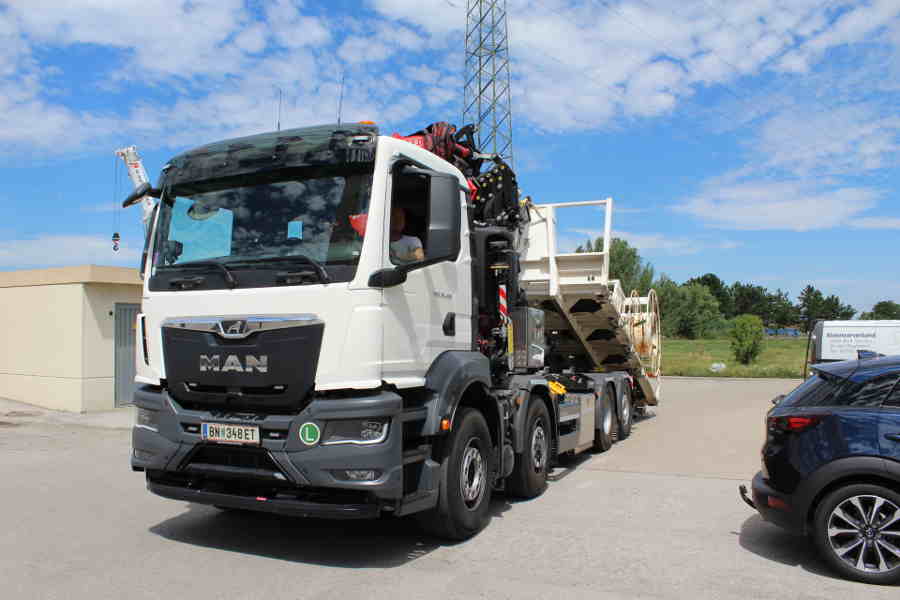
429,312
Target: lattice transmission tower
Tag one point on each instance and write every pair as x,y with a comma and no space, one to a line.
486,96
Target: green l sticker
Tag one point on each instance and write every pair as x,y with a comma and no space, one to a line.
309,434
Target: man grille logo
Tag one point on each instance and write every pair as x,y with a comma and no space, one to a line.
234,327
232,363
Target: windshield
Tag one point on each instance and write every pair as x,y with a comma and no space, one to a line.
241,227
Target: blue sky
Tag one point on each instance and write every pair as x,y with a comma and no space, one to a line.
758,140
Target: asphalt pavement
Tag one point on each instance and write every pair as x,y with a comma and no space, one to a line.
658,516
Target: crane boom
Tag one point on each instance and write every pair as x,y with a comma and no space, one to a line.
138,175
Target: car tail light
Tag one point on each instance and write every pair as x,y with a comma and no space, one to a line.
794,424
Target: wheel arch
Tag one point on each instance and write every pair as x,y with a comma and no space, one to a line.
477,396
849,471
450,378
537,393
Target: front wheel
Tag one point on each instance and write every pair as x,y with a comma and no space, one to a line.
857,531
465,480
529,476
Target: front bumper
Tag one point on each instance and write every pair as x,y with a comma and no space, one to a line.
291,477
298,508
773,506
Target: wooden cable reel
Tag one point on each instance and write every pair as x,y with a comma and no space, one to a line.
641,316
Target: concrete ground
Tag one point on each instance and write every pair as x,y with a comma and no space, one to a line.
658,516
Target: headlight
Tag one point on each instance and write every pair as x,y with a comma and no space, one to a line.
356,431
146,418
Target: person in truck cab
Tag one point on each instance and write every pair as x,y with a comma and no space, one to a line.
404,249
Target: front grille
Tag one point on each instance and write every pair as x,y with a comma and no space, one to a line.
232,456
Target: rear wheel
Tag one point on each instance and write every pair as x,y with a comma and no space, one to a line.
603,436
529,476
857,531
625,413
465,480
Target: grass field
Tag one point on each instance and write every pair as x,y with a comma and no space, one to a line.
781,357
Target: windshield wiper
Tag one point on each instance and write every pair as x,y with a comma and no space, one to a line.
319,268
229,276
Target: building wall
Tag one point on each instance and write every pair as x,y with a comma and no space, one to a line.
58,347
41,357
98,341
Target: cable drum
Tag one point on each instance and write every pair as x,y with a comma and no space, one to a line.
641,316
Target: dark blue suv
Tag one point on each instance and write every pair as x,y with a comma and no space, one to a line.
831,466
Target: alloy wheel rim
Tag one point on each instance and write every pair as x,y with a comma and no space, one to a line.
864,533
538,448
626,407
472,476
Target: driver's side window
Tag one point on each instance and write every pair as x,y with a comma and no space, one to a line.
408,219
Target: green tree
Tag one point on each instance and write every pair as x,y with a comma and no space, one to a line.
834,309
886,310
625,264
690,311
814,305
747,338
669,294
719,290
782,312
811,303
750,299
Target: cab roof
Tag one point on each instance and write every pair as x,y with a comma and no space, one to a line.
321,145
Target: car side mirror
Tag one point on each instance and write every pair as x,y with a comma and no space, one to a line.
777,399
444,217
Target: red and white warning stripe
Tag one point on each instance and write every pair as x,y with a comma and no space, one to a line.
504,311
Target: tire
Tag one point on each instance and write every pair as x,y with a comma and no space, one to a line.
603,436
625,412
839,525
529,476
465,480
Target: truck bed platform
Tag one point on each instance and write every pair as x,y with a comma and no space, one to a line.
610,330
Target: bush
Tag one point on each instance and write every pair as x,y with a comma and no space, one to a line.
746,338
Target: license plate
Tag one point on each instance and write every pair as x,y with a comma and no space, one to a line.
230,434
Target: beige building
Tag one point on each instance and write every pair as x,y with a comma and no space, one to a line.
69,336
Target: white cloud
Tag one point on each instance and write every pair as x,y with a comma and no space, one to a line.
786,205
841,139
855,24
575,67
64,250
875,223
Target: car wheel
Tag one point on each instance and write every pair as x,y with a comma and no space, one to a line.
625,413
857,531
465,480
529,476
603,436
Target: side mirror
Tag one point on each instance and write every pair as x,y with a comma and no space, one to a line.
387,277
777,399
145,189
444,218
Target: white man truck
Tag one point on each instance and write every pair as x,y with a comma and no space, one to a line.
290,362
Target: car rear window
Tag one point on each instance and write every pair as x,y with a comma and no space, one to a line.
818,390
894,398
823,389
